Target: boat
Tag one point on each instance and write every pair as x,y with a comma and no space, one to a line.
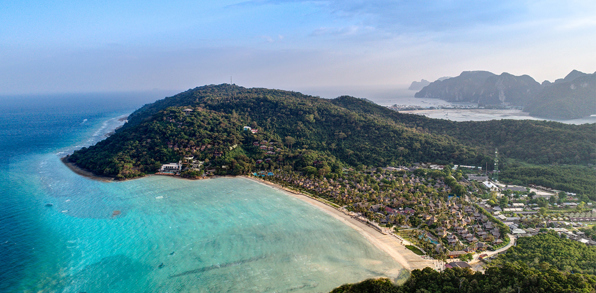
49,205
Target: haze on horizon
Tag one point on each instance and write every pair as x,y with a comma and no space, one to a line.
317,46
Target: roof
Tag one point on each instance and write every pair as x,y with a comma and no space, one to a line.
489,184
518,231
515,188
458,264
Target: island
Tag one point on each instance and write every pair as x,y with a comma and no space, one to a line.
427,190
567,98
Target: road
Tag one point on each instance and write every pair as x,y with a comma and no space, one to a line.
476,259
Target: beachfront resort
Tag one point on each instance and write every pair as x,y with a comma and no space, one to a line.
443,212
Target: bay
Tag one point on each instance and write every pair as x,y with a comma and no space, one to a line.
156,234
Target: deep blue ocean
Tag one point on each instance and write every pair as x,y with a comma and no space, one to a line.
155,234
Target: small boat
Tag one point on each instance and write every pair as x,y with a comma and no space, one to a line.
49,205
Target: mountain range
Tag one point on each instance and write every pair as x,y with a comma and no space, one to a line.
571,97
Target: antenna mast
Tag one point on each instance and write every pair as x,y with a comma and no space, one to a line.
496,171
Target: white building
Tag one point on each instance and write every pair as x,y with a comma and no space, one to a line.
196,164
490,186
171,168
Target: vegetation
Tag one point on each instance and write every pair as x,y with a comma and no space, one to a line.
346,130
424,202
576,179
590,232
506,278
568,99
414,249
542,263
549,250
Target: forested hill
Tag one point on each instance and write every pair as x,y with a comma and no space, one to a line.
310,131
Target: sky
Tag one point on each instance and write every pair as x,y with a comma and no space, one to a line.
327,47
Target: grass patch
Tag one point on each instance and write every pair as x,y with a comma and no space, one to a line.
414,249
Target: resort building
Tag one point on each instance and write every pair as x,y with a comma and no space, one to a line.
171,168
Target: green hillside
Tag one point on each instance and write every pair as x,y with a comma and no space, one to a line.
542,263
305,131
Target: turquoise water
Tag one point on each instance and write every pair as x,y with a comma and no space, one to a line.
159,234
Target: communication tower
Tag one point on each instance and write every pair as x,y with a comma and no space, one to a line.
496,170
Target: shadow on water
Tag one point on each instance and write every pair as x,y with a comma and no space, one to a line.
104,276
218,266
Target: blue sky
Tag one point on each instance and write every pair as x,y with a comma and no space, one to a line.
105,46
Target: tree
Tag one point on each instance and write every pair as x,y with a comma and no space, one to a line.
552,200
503,201
290,141
562,196
580,206
542,211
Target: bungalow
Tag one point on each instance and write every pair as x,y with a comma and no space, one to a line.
196,164
455,254
441,232
458,264
513,209
451,239
518,232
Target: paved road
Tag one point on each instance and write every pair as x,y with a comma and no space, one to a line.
492,253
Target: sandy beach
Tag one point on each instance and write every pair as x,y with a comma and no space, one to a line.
84,172
385,242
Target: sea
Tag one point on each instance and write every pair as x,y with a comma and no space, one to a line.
61,232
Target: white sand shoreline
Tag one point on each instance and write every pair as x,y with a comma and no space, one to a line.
387,243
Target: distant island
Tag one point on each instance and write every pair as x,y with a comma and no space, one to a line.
418,85
571,97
